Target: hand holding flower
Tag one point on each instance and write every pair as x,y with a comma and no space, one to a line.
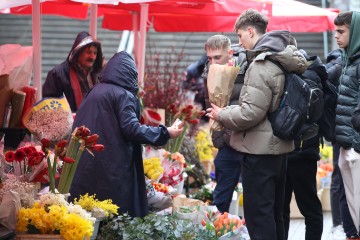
213,112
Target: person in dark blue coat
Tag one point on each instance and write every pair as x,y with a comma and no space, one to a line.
112,110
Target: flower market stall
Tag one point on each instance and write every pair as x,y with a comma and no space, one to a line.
38,170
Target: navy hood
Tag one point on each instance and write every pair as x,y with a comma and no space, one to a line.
121,70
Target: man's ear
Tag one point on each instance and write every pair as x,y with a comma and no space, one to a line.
251,31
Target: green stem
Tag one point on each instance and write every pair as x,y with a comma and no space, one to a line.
179,140
51,176
71,152
70,177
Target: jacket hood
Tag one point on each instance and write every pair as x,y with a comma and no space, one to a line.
277,46
275,41
82,40
354,43
315,64
121,70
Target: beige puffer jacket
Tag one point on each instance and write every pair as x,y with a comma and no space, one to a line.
261,93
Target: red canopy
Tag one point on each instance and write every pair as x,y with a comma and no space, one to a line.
220,16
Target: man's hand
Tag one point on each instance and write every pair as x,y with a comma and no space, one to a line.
213,112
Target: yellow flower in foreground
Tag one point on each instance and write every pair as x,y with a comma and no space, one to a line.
90,203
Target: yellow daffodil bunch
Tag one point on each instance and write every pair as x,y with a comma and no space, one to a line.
204,146
53,219
152,168
99,209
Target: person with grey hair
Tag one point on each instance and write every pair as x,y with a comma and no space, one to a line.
263,155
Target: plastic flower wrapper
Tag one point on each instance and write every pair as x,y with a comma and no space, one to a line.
174,165
23,161
49,118
192,209
220,83
152,164
225,226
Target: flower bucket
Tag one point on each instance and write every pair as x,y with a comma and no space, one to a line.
38,236
96,229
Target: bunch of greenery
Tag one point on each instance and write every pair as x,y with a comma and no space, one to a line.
153,226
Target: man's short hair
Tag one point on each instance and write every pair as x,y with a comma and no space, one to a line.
252,18
218,42
343,18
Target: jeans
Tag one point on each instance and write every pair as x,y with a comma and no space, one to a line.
227,173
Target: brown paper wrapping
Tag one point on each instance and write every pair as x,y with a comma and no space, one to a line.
220,83
17,104
5,97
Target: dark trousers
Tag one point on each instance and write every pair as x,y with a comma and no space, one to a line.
263,179
335,188
227,173
301,179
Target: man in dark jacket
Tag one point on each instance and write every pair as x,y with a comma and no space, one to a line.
302,168
227,161
78,73
347,30
112,110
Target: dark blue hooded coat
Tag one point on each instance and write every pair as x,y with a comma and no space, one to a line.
111,110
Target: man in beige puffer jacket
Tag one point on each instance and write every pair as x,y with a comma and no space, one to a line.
263,154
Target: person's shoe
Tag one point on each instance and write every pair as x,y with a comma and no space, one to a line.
338,233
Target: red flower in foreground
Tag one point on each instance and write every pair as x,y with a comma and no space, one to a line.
20,155
91,140
97,147
9,156
61,144
67,159
28,150
35,158
45,142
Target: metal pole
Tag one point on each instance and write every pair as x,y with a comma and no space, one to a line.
36,41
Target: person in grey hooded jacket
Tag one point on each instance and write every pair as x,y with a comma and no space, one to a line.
263,154
112,110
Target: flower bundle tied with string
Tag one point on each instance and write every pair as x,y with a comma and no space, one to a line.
80,140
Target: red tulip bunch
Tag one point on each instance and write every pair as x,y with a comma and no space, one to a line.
81,140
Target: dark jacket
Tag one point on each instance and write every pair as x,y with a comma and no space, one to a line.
309,149
355,120
346,135
58,83
112,109
219,138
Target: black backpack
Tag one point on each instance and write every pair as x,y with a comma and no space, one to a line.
301,106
